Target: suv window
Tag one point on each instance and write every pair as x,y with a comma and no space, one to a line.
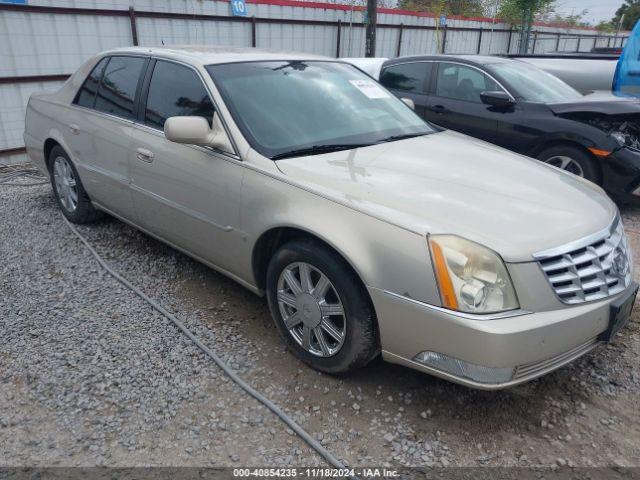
462,82
86,96
408,77
176,91
117,89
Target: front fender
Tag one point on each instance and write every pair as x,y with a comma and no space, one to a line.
385,256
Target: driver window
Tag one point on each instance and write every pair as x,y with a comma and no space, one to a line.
461,82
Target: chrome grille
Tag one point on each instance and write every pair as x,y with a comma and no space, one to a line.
595,270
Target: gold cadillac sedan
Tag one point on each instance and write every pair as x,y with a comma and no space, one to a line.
369,231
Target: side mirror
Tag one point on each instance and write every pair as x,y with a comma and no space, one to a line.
409,103
497,98
196,131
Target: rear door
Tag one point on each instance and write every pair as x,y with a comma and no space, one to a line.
456,103
409,80
186,194
100,133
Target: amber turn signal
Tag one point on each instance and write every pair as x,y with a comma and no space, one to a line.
447,293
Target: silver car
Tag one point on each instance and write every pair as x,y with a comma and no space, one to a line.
369,231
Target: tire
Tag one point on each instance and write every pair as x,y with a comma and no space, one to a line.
574,160
67,186
360,343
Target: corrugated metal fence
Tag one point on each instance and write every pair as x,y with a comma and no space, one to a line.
42,43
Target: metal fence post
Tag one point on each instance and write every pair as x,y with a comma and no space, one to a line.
134,27
444,39
579,41
253,31
479,41
557,42
338,39
509,41
399,40
535,40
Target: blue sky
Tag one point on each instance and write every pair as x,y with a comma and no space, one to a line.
598,9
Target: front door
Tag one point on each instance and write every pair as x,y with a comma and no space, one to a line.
456,102
188,195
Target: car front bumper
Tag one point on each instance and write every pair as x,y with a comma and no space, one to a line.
621,173
514,348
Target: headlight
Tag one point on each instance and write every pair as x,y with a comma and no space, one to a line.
471,278
619,137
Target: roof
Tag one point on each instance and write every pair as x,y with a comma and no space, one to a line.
370,66
474,59
207,54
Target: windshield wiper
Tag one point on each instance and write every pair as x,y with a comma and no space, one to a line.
393,138
318,149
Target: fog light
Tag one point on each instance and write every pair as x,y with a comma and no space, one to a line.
460,368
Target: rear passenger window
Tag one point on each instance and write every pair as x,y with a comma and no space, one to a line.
407,77
118,87
86,96
176,91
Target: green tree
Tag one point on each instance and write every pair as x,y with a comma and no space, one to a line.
466,8
606,26
573,19
631,11
522,13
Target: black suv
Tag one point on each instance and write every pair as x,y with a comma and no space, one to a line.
525,109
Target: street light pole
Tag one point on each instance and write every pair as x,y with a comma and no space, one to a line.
370,44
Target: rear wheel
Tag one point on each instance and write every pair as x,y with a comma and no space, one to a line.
68,190
320,308
573,160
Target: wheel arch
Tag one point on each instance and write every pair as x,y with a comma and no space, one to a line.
272,239
49,144
54,137
563,142
541,146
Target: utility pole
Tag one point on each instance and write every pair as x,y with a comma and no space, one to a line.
620,24
370,42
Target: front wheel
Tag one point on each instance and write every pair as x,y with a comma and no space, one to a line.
573,160
320,308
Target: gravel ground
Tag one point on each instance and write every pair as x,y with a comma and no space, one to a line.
91,375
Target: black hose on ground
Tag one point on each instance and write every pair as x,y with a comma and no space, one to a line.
323,452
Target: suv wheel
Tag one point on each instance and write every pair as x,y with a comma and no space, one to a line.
573,160
68,190
320,308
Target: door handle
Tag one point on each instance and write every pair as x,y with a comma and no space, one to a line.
75,129
438,108
144,155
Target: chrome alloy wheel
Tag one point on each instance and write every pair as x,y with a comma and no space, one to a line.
65,183
311,309
566,163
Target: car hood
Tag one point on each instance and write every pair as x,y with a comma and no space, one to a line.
598,102
450,183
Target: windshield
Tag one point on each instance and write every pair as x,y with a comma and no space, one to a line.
309,107
533,84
